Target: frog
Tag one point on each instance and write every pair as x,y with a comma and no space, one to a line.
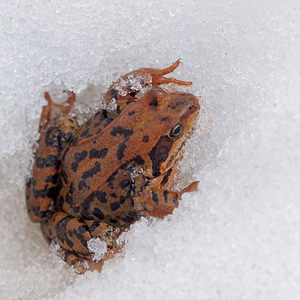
91,182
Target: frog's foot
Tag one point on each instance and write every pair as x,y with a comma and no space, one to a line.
52,110
158,79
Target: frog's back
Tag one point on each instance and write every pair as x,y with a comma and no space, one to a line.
96,177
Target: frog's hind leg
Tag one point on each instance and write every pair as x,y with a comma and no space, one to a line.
73,235
56,130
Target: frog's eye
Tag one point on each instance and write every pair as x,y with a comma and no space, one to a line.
175,131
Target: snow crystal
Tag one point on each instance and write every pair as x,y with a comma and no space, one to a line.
97,247
238,236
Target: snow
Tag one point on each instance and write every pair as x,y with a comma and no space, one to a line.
238,236
97,248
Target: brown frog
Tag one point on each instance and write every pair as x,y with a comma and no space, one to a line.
91,182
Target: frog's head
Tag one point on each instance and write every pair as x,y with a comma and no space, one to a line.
170,118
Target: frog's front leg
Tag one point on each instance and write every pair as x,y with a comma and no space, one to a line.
56,129
73,235
124,90
159,202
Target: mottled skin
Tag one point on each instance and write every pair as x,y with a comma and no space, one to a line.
95,180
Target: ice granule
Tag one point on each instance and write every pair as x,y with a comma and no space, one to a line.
97,247
134,82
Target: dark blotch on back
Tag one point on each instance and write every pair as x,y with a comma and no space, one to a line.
114,205
124,184
122,146
111,179
98,213
94,153
85,214
52,178
153,102
88,200
101,196
122,199
81,185
78,158
92,171
131,113
84,133
49,161
121,149
120,130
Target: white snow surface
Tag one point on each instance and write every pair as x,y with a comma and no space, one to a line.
97,248
238,236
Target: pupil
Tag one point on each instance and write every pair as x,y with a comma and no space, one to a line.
177,130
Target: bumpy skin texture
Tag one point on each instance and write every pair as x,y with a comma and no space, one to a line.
95,180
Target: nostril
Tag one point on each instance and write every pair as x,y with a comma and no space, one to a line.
192,108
